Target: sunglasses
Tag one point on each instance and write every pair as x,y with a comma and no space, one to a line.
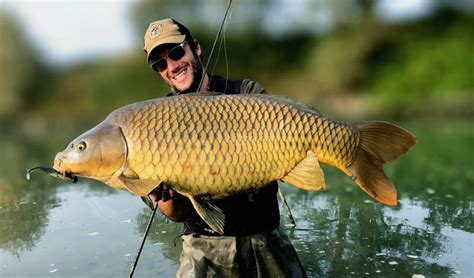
174,54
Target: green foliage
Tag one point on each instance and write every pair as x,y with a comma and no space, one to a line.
92,91
21,71
341,61
427,65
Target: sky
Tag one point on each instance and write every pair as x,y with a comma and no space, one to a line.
66,32
70,31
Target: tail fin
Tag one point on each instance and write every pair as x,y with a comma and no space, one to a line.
380,143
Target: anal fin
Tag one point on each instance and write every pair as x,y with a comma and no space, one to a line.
211,214
307,175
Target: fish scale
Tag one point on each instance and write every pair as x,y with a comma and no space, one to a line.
214,146
285,142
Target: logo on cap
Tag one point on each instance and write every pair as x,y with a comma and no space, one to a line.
155,30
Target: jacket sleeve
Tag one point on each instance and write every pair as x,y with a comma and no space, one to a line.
251,87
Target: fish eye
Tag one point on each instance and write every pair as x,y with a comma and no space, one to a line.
81,146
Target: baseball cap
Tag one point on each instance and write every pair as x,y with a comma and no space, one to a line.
162,32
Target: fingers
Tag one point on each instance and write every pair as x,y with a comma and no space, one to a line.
163,192
174,194
155,195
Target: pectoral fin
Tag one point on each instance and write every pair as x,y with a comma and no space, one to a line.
148,202
134,184
307,174
130,174
210,213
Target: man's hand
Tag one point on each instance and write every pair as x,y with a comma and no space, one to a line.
163,192
171,204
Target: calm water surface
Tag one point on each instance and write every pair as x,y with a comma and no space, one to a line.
51,228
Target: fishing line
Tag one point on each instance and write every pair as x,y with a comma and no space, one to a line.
226,60
223,40
214,45
218,55
101,212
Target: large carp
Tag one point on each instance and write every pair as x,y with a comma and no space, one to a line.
209,146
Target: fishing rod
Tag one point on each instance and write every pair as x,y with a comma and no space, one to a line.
137,257
214,45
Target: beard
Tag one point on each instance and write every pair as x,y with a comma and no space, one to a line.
197,76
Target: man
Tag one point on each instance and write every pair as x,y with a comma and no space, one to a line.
252,244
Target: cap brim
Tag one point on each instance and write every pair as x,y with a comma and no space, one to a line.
171,39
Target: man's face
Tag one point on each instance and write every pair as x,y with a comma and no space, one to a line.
185,73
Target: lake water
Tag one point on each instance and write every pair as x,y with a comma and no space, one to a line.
52,228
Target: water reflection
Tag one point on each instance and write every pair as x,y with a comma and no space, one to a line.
24,208
338,237
91,228
23,219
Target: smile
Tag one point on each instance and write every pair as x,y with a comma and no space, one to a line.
180,75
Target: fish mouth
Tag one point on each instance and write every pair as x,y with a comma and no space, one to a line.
60,171
57,164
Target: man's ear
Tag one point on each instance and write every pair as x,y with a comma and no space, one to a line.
197,47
